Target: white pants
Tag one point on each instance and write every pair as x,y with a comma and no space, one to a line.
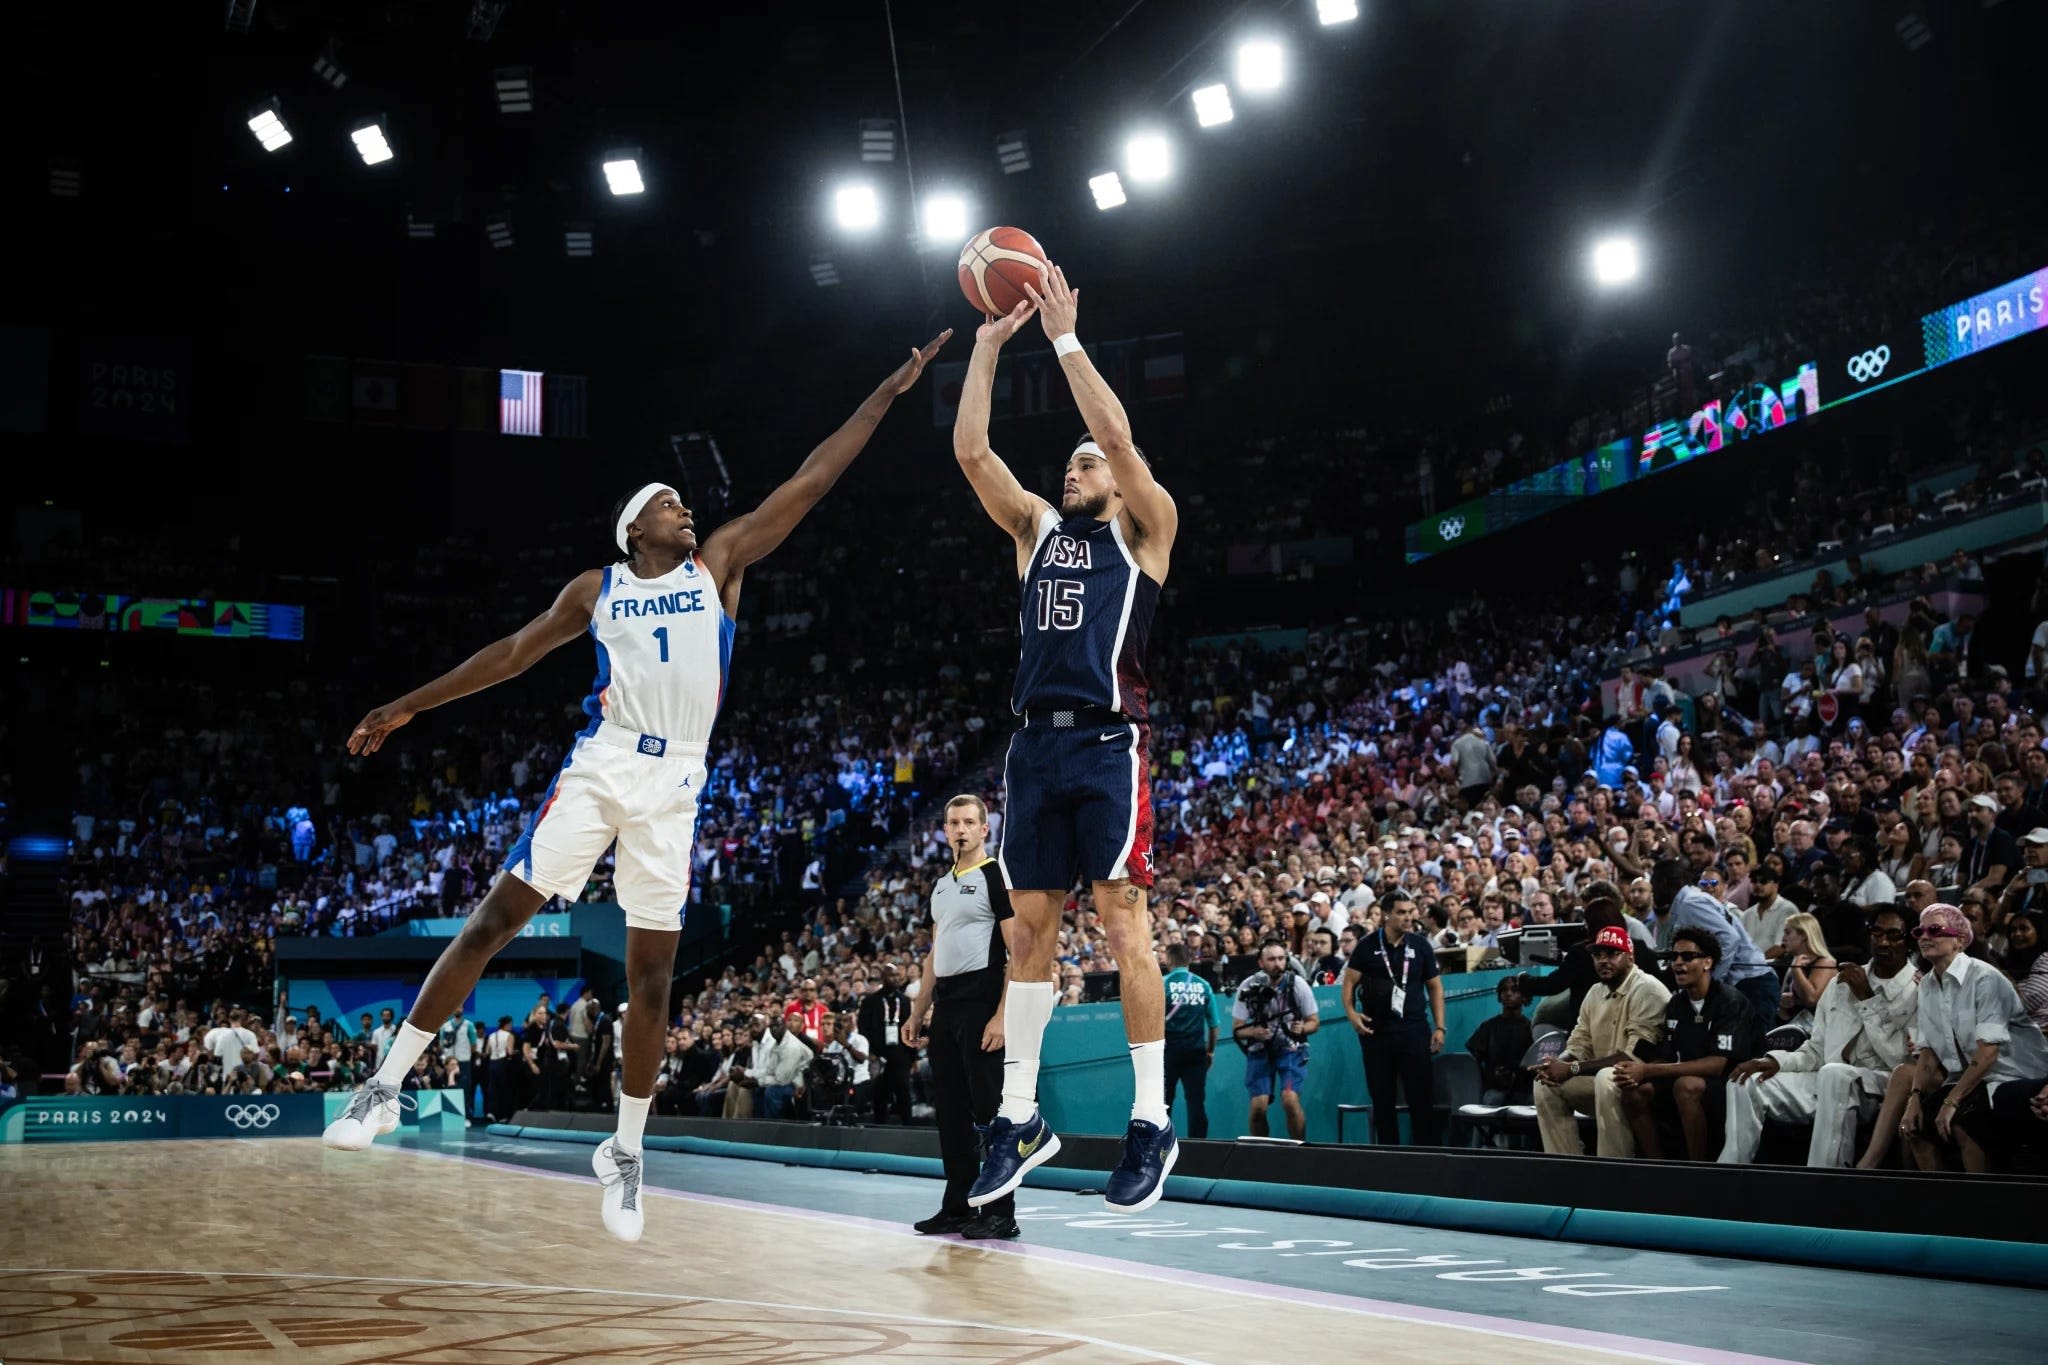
1834,1100
609,791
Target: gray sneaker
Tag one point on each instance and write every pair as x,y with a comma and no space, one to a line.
618,1170
372,1111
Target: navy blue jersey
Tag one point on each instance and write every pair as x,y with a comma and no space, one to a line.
1085,616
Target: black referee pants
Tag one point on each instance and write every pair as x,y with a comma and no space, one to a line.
967,1087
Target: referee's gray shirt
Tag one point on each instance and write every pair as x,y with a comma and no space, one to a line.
968,957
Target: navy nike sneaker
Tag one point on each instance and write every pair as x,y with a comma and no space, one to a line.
1011,1151
1140,1178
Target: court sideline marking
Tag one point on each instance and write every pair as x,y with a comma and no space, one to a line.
1609,1343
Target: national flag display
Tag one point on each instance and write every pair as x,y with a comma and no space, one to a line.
519,402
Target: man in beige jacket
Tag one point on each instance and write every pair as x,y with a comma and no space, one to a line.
1623,1017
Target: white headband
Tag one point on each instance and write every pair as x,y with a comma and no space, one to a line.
634,505
1089,447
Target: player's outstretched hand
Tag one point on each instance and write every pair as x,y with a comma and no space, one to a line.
907,373
1059,307
1000,330
368,737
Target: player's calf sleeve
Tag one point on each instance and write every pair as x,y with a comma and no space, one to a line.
1026,1009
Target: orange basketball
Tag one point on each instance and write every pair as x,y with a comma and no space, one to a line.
996,265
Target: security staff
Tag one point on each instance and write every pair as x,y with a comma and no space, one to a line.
961,997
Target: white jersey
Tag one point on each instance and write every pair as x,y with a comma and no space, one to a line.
664,646
633,777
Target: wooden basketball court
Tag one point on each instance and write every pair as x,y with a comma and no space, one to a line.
202,1251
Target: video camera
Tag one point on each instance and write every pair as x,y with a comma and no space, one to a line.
1268,1003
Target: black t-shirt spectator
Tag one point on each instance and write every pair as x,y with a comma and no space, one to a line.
2021,820
1574,973
1326,971
1500,1044
1722,1025
1996,849
1382,966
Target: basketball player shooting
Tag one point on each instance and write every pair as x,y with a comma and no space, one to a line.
1077,795
663,620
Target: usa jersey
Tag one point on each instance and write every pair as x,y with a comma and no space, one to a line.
664,647
1085,618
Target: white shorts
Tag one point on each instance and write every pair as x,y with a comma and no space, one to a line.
609,790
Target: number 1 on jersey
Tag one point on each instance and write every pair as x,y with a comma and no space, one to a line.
1059,603
661,634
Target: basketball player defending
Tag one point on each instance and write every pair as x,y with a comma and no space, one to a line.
1077,781
663,621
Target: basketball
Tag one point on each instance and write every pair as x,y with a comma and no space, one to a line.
995,265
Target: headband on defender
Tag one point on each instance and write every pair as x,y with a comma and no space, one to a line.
634,506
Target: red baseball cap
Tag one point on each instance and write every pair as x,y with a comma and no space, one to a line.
1615,937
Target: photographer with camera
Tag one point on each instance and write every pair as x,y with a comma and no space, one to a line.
1272,1019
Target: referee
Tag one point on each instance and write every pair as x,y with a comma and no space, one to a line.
961,995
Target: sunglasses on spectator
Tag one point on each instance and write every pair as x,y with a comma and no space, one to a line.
1931,931
1710,881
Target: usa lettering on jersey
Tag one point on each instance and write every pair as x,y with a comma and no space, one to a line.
1065,552
666,604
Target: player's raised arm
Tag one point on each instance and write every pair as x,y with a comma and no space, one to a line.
1058,308
567,619
1004,499
743,540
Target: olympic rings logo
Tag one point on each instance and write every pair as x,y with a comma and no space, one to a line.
1450,528
1869,365
252,1115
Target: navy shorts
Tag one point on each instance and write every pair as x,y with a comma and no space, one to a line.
1077,802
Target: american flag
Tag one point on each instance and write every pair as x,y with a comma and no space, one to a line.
519,402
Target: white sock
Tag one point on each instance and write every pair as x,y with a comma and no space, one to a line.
1025,1012
1148,1064
405,1050
632,1122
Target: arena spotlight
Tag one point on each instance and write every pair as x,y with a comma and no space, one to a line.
1107,189
269,128
1261,66
1212,105
1013,151
1616,260
945,221
1336,11
856,207
1148,157
328,69
514,85
371,144
622,172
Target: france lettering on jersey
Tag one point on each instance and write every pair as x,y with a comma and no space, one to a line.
1085,617
664,647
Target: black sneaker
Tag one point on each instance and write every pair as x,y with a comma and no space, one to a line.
944,1224
996,1226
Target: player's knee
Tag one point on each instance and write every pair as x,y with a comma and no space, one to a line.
1689,1088
1260,1103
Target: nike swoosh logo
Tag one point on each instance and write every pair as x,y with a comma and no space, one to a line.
1027,1148
1113,734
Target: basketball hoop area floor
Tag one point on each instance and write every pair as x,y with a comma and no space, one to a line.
477,1250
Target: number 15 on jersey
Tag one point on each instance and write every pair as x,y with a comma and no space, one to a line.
1059,603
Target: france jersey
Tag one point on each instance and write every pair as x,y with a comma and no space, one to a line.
664,646
1077,790
1085,617
636,772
